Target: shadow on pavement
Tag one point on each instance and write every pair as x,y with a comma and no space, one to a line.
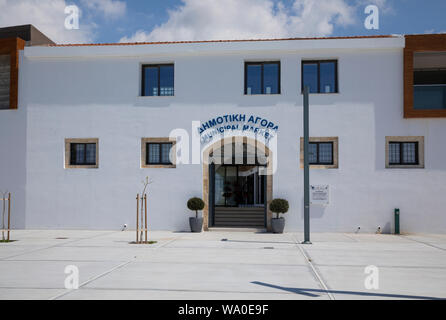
312,292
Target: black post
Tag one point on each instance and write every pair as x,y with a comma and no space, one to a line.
306,167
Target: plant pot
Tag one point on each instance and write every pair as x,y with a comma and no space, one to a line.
277,225
196,224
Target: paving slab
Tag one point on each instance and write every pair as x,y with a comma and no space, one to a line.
211,278
28,294
46,274
95,294
395,283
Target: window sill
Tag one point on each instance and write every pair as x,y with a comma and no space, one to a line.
158,166
262,94
320,166
82,167
415,113
402,166
143,97
322,93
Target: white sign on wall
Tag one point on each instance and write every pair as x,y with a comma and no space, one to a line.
320,194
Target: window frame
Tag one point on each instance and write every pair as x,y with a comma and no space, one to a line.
335,152
262,76
318,162
416,44
160,160
318,62
12,47
158,66
401,151
402,140
76,141
84,162
145,152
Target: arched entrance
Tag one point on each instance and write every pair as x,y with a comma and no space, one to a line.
237,184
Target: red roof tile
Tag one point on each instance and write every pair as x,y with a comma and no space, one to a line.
214,41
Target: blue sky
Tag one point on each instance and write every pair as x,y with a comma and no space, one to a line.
403,17
167,20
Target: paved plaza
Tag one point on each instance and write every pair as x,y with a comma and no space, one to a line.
222,265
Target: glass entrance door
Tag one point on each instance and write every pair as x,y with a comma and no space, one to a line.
237,189
239,186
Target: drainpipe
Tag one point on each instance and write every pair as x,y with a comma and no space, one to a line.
306,167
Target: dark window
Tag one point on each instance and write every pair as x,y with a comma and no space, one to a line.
403,153
158,80
262,78
321,153
320,76
82,154
158,153
430,89
5,79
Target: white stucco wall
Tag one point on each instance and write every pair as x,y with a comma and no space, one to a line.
93,93
13,162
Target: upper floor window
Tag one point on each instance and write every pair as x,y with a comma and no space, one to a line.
158,80
429,80
262,78
320,76
425,76
81,153
405,152
5,80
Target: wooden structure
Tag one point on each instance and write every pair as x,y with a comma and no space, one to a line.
141,218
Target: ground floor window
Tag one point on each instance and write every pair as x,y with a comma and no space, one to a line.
405,152
323,152
158,153
81,153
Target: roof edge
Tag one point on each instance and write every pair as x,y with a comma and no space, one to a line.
220,41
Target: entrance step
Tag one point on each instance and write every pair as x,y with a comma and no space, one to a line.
235,217
255,230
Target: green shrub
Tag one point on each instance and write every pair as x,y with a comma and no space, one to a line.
279,206
195,204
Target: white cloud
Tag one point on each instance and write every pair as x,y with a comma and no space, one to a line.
49,17
109,8
433,31
247,19
383,5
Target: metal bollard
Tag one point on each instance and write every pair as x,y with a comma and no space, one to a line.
397,221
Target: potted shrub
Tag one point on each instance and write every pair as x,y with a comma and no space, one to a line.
195,204
278,206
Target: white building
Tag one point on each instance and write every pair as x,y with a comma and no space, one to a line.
74,151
